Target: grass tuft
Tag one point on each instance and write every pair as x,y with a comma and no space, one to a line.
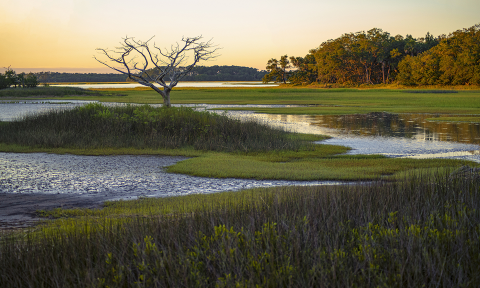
95,126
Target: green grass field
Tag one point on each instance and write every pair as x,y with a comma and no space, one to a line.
306,166
322,101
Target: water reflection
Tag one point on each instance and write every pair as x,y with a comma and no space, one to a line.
412,126
408,148
393,135
409,126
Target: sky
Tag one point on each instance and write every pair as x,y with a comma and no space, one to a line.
62,35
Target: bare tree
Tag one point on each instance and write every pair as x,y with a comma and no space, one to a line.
149,65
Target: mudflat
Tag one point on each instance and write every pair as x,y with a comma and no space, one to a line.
18,210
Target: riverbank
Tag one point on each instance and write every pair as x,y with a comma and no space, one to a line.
20,210
325,162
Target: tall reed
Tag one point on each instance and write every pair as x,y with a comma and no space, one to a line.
423,231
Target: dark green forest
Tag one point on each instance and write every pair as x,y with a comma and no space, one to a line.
54,77
376,57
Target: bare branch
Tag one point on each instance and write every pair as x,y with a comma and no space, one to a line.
154,65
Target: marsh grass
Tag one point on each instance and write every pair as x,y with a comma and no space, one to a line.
434,91
95,126
361,100
423,231
187,152
323,163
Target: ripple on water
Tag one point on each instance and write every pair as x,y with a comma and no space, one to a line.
113,177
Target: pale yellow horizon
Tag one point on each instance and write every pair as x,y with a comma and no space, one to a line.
62,35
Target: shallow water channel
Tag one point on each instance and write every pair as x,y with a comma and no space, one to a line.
114,177
393,135
126,177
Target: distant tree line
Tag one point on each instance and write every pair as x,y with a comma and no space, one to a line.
199,73
54,77
225,73
11,78
375,57
221,73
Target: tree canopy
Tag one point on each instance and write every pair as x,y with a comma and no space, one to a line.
370,57
454,61
11,78
277,70
375,57
52,77
198,73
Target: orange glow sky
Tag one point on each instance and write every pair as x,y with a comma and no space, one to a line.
61,35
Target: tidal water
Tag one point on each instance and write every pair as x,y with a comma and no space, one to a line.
13,110
392,135
124,177
114,177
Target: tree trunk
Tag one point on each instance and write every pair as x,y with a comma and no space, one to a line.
367,75
166,98
388,72
383,71
165,93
